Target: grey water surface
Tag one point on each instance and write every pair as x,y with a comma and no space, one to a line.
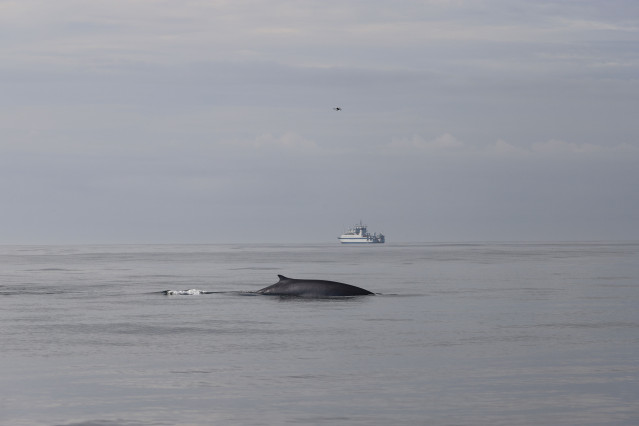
459,334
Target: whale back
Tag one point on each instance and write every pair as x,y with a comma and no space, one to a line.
312,288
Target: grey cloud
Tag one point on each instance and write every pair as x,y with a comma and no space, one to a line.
158,122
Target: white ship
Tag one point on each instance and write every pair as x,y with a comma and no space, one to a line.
359,235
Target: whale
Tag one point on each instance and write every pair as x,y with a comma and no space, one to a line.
312,288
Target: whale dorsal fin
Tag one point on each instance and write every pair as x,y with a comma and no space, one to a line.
282,277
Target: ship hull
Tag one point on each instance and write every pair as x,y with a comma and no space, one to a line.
358,241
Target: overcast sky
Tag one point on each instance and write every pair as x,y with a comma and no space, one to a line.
205,121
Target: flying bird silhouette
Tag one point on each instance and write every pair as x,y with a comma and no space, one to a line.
337,109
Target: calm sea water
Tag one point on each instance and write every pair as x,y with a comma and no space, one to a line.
461,334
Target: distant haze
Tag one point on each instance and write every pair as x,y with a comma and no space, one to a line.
138,121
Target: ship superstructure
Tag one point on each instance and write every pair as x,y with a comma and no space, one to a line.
358,234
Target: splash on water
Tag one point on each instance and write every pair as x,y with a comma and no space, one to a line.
190,292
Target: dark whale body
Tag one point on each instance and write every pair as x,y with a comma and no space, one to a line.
311,288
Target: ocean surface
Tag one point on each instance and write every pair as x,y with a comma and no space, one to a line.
458,334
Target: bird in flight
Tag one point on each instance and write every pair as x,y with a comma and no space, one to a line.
337,108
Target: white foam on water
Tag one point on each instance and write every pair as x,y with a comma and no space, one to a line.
190,292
